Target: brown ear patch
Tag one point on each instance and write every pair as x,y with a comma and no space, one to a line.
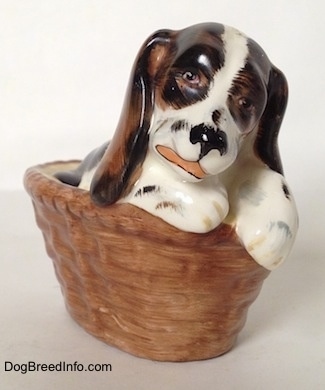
128,148
116,177
266,144
156,57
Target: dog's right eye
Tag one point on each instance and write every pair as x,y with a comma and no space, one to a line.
185,86
191,77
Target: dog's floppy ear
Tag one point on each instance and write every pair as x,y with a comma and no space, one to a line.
127,150
266,144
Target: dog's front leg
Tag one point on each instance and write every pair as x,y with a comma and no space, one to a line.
265,216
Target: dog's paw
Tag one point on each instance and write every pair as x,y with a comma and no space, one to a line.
266,218
270,246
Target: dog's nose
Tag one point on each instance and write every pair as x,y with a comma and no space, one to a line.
209,138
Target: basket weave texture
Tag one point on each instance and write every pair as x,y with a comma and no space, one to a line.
136,282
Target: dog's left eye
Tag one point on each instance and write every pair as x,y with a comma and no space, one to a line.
245,103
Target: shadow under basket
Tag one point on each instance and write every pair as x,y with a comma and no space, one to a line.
139,284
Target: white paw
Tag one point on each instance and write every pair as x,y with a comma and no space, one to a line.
271,246
266,217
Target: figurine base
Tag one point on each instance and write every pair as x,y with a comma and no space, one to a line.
139,284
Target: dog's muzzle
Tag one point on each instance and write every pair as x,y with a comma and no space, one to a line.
192,167
209,139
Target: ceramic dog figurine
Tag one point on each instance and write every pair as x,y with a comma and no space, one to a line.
196,144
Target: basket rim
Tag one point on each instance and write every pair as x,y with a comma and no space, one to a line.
45,189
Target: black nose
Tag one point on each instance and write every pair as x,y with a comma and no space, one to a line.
209,138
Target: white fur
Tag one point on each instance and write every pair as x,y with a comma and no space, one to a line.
264,218
195,207
87,178
201,205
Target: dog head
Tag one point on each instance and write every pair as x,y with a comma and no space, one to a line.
193,97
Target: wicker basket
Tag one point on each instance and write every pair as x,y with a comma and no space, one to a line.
139,284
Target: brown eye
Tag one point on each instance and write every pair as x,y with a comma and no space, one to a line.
191,77
245,103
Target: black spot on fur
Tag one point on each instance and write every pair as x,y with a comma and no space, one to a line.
286,191
179,125
147,190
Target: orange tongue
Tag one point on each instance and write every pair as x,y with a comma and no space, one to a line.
192,167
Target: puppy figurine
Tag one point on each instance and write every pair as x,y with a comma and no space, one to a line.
196,144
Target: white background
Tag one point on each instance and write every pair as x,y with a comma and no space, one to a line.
64,66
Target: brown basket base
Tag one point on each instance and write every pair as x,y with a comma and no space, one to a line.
139,284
